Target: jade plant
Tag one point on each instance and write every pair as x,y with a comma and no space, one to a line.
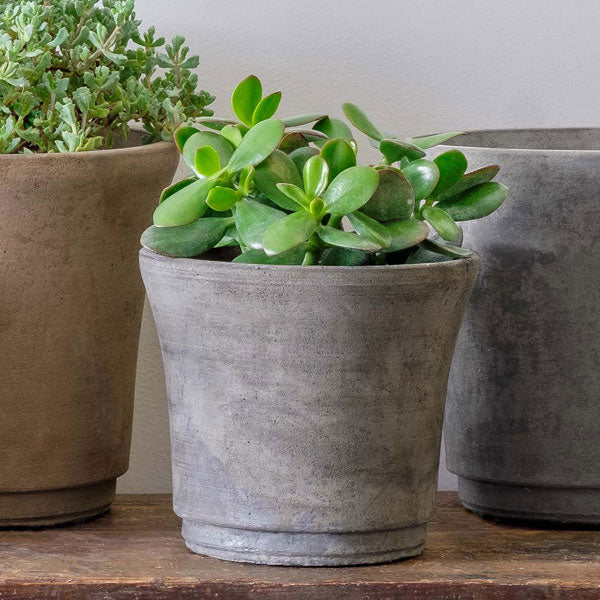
73,73
285,194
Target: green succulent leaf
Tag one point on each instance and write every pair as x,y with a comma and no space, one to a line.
395,150
346,239
216,123
299,156
299,120
358,118
339,155
476,202
428,141
446,249
169,191
289,232
277,168
393,199
370,229
345,257
246,97
406,234
252,219
295,256
315,176
332,128
257,144
296,194
185,241
423,176
266,108
232,134
185,205
206,138
182,135
442,222
470,180
452,166
350,190
207,161
222,198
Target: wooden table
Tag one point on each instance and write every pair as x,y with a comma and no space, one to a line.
136,552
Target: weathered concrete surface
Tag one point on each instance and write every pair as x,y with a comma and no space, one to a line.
70,307
306,403
523,414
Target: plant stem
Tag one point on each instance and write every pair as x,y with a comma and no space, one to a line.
334,221
309,258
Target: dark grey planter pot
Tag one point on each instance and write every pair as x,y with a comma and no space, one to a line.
523,413
306,404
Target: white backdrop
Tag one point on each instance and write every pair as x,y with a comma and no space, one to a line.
416,66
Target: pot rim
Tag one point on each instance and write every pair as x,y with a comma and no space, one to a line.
513,150
189,264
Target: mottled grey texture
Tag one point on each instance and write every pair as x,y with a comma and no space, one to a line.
306,403
71,301
523,414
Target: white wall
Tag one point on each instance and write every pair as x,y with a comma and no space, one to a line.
417,66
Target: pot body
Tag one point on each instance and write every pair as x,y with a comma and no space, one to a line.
70,310
306,404
523,415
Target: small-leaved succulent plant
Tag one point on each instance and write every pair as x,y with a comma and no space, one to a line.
287,195
69,80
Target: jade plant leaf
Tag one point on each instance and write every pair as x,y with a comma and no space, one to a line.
266,108
345,257
395,150
185,205
442,222
428,141
252,219
295,194
299,120
300,155
452,166
315,176
246,98
423,176
393,199
188,240
206,138
169,191
358,118
476,202
339,156
182,135
405,234
232,134
216,123
350,190
277,168
207,161
257,144
291,231
470,180
222,198
446,249
370,229
294,256
332,128
346,239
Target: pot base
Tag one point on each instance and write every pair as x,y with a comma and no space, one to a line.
576,506
49,508
303,549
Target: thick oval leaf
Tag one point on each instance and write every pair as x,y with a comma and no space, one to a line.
333,129
252,219
222,198
315,176
423,176
339,156
232,134
266,108
428,141
395,150
350,190
186,241
182,135
184,206
169,191
245,98
216,123
345,257
346,239
206,138
295,256
393,199
370,229
300,155
470,180
296,194
358,118
476,202
303,119
442,222
292,141
207,161
452,166
289,232
446,249
405,234
257,144
277,168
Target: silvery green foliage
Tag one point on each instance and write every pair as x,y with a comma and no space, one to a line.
73,73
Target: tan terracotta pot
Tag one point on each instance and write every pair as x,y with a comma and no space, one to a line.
71,301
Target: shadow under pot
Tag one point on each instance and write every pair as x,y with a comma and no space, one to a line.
71,302
306,403
523,415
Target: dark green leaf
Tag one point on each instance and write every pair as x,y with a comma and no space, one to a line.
252,219
186,241
175,188
442,222
302,119
446,249
470,180
370,229
245,98
452,166
215,123
346,239
406,233
182,135
277,168
350,190
266,108
315,176
292,141
339,156
395,150
345,257
222,198
206,138
300,155
423,176
358,118
476,202
289,232
428,141
332,128
393,198
185,205
294,256
257,144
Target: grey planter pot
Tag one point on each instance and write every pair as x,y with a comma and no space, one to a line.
523,413
306,404
71,302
